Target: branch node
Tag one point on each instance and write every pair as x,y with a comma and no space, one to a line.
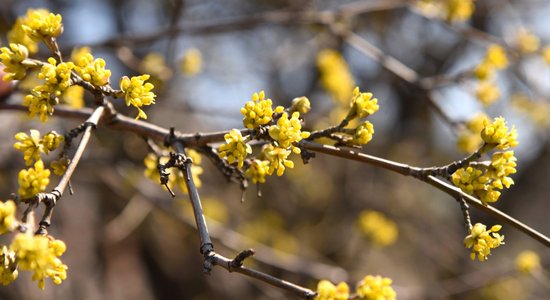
237,262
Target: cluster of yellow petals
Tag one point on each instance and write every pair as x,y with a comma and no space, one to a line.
57,75
528,262
257,170
235,148
526,41
40,254
32,145
7,216
17,35
497,134
277,158
469,139
259,111
378,228
487,91
90,69
482,240
375,288
301,105
8,266
40,24
12,59
138,93
450,10
362,105
33,180
363,133
326,290
191,62
287,131
60,166
335,75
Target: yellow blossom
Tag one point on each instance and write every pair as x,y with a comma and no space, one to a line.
482,240
484,71
278,159
362,105
73,96
33,180
375,288
12,59
80,53
7,216
41,24
496,56
527,261
235,148
287,131
137,92
257,170
40,254
527,42
32,145
92,70
379,229
259,111
363,133
191,62
60,166
8,266
487,93
469,139
41,101
458,10
496,134
328,291
335,75
17,35
57,75
301,105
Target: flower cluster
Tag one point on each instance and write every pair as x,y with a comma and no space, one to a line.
40,254
335,75
375,288
32,145
191,62
12,59
363,133
235,148
58,75
60,166
277,158
137,92
379,229
91,70
288,131
8,266
326,290
301,105
526,41
7,216
176,176
41,24
257,170
17,34
496,134
495,59
362,105
537,111
469,139
527,262
482,240
450,10
259,111
33,180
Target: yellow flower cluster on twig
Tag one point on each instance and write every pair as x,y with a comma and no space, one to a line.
138,93
482,240
235,148
378,228
326,290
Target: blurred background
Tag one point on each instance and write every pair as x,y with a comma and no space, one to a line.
128,239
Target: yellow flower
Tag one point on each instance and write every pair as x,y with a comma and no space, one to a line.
379,229
482,240
546,54
92,71
257,170
33,180
527,261
58,76
496,56
39,254
259,111
363,133
155,64
73,96
484,71
278,159
288,131
335,75
469,139
375,288
41,24
7,216
458,10
12,58
137,92
527,42
487,93
41,101
32,145
235,148
362,105
17,35
8,266
502,165
301,105
191,62
496,134
328,291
